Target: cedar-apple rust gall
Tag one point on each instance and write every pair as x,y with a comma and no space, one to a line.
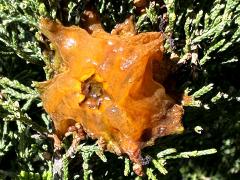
112,85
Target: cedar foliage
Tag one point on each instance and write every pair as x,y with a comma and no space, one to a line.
204,36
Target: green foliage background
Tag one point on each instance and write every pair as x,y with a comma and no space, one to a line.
204,36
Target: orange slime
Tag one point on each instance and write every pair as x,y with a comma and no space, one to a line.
104,82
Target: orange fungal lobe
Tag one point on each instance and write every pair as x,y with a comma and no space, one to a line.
104,82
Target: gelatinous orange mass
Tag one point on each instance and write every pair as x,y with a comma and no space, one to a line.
104,81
